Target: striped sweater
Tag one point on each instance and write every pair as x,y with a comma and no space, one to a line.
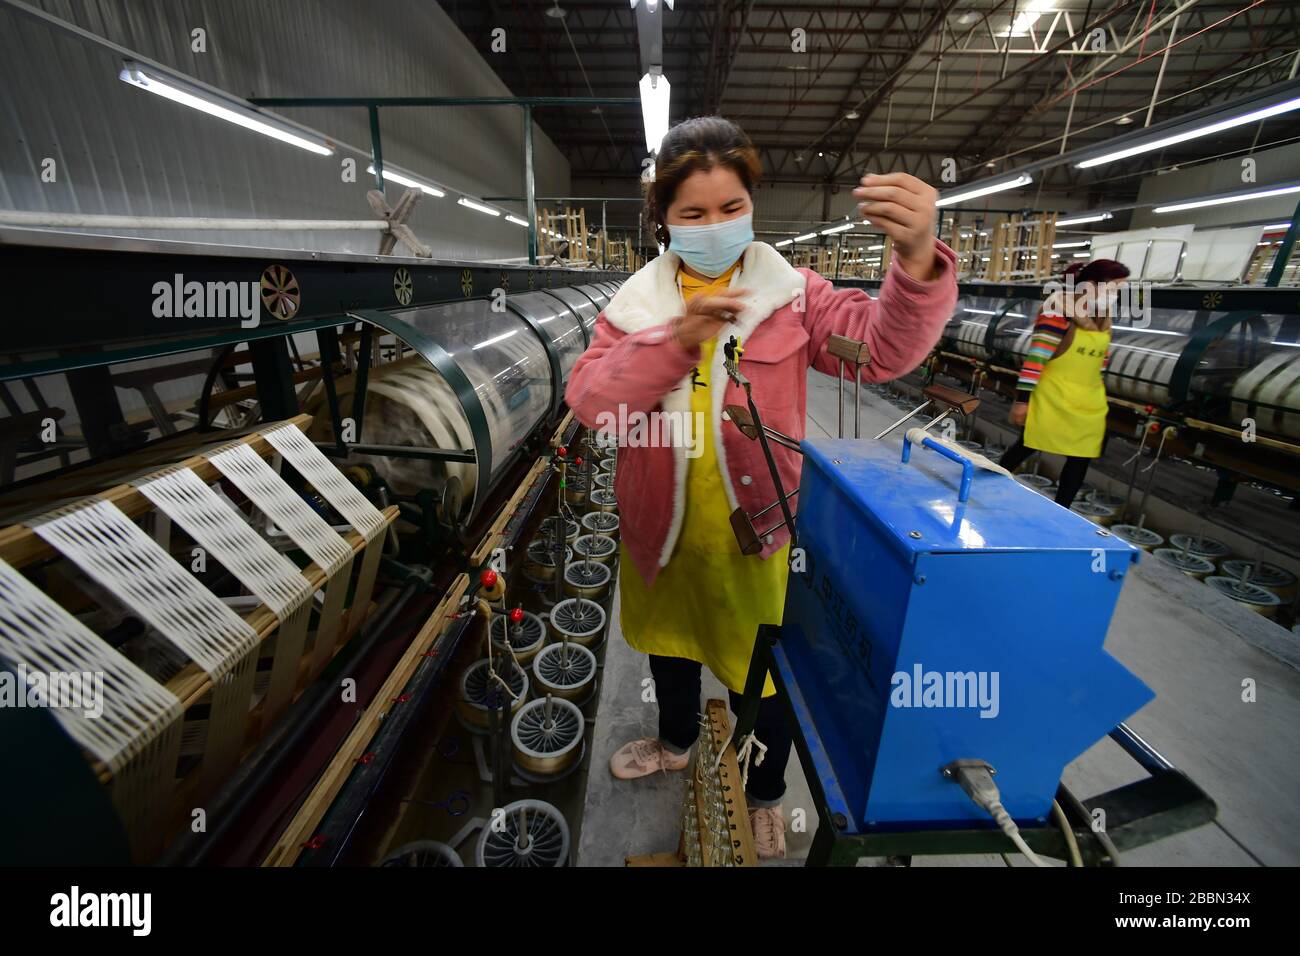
1049,331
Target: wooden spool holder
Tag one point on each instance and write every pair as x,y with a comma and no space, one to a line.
166,806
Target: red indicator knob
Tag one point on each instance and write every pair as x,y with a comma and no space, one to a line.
516,615
578,462
562,451
488,578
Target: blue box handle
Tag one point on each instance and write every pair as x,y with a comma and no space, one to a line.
967,469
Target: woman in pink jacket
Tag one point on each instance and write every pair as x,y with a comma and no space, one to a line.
654,379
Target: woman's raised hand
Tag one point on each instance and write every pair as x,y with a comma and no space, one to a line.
903,207
705,317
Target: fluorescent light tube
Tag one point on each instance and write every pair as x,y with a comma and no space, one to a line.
811,235
1071,245
834,229
1239,120
784,242
1021,180
655,94
404,180
231,110
1224,200
1080,220
478,206
517,221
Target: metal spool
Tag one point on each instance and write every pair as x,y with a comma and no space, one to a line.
1035,482
477,689
565,670
575,488
1143,538
1192,565
1202,547
1258,599
539,566
587,579
604,479
525,639
527,833
547,529
608,465
1101,498
423,853
602,499
601,522
1094,513
547,737
580,620
1271,577
595,547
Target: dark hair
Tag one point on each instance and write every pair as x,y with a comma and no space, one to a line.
697,144
1098,270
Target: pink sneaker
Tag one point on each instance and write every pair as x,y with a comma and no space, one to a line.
768,824
643,757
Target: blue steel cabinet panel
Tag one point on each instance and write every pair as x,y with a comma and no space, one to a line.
1007,594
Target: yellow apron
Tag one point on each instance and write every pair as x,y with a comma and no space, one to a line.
707,603
1067,409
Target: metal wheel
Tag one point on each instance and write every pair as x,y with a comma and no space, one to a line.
1258,599
566,670
532,833
595,547
603,479
601,522
1035,482
280,292
608,465
1105,500
1190,564
1143,538
602,499
1270,576
525,639
587,579
575,488
547,736
1200,546
539,566
423,853
478,690
1094,513
580,620
546,531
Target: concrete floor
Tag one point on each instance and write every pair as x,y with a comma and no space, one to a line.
1192,646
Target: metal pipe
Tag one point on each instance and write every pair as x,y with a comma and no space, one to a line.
59,220
529,186
1160,75
905,418
376,151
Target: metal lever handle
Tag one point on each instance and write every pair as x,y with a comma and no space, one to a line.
967,469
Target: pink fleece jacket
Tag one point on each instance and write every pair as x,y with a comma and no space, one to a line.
633,366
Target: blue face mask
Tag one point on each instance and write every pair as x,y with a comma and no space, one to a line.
711,250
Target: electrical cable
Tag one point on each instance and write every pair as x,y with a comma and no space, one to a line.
975,777
1076,859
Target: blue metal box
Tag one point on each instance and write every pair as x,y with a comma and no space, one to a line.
925,630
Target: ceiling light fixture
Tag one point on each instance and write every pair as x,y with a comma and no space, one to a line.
1225,200
655,94
976,192
1196,132
1080,220
404,180
229,109
478,206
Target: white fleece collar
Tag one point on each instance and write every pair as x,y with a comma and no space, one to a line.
651,296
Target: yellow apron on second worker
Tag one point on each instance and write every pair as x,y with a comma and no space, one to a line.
707,603
1067,409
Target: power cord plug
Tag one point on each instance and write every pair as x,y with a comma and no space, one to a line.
975,777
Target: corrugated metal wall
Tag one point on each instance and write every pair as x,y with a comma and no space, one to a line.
120,150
